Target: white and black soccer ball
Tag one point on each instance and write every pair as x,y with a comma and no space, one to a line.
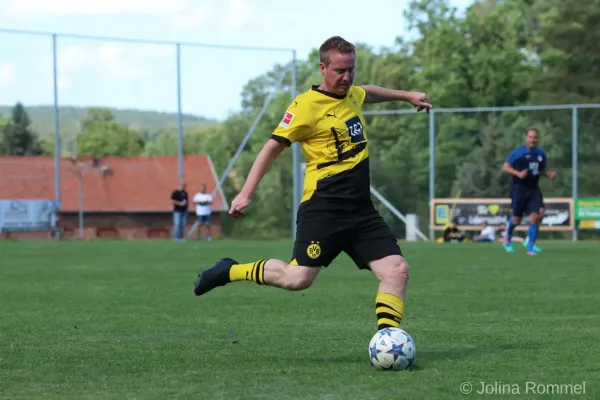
392,349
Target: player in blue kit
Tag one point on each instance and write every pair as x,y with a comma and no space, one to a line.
526,164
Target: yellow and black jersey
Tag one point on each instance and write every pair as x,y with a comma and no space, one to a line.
332,133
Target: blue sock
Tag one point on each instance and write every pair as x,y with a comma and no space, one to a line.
532,235
510,229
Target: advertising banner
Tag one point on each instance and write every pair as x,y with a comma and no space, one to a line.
471,213
587,212
589,224
27,215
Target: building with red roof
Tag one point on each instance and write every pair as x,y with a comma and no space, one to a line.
124,197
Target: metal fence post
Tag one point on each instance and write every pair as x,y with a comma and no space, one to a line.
431,169
80,203
56,128
574,166
179,117
296,156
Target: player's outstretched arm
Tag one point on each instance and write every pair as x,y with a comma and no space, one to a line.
378,94
265,158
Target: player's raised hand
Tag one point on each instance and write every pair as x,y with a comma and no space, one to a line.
420,101
240,202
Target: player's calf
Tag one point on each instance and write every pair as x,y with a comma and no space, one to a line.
532,233
289,277
392,272
513,222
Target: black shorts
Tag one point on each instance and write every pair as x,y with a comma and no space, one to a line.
526,201
363,235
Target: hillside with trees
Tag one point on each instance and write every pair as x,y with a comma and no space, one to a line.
498,53
150,124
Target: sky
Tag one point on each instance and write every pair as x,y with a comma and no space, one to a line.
144,76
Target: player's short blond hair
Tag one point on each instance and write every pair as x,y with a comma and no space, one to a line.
336,43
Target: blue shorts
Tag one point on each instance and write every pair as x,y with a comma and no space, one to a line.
203,219
526,200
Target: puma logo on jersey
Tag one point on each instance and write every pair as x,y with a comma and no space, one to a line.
331,115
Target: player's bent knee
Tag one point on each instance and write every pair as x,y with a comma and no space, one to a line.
399,270
393,269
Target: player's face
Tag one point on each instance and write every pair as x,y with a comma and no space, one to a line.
531,140
338,74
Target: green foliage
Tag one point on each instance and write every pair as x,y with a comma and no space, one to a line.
101,135
150,124
3,122
70,116
480,174
17,137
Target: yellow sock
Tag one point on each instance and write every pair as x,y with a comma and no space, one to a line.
389,310
254,272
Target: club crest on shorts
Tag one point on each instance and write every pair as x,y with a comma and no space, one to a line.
313,250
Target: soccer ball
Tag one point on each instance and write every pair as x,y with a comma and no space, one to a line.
392,349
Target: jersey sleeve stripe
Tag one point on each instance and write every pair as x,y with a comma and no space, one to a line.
281,139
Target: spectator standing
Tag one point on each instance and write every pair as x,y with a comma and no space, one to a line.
202,200
179,199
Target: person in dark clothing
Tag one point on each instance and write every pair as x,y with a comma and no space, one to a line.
179,199
452,234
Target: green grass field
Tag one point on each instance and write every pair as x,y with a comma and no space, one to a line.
117,320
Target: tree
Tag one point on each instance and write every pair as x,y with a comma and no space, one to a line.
95,116
3,122
17,137
480,174
101,136
567,44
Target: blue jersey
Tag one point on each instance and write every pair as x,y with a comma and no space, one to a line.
533,160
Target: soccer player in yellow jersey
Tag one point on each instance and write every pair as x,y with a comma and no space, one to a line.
336,212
